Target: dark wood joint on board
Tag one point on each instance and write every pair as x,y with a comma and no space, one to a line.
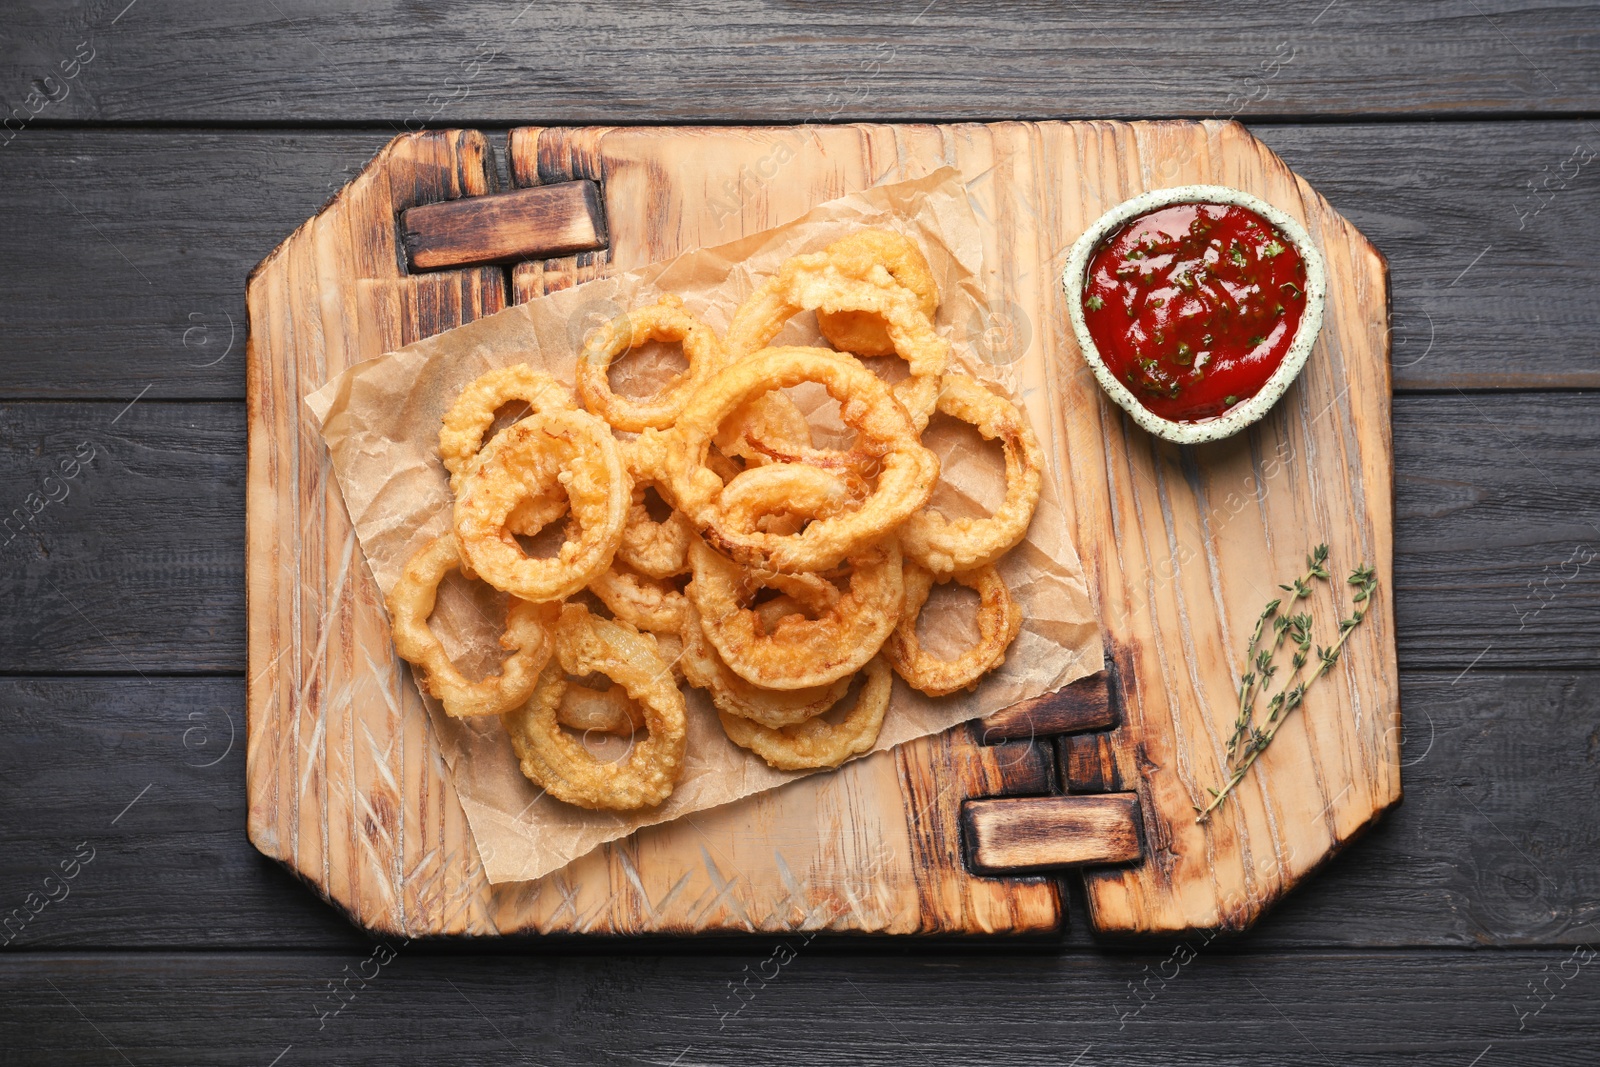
538,222
1088,764
1087,704
1021,835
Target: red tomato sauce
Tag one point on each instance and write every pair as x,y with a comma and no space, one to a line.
1193,306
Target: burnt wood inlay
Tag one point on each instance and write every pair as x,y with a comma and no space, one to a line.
1017,834
1089,763
1084,705
533,223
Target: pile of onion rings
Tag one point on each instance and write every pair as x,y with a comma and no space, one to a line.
776,575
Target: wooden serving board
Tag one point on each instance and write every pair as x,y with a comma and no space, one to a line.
966,832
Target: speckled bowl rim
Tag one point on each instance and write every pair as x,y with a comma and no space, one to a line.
1242,415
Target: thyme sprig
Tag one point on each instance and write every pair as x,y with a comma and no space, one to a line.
1258,661
1249,741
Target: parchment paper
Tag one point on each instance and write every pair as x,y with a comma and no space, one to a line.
381,419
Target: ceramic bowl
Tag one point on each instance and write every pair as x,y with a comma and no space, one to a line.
1239,416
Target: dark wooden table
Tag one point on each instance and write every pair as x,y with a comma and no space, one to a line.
155,150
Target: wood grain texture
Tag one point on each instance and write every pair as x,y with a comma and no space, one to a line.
331,295
546,222
1084,705
346,785
749,61
1143,500
1493,846
125,273
135,563
1193,1004
1019,834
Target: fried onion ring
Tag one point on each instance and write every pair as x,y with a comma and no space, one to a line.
999,621
768,421
732,695
558,762
828,283
665,320
800,652
947,545
784,490
647,603
817,742
527,637
905,481
469,418
656,549
535,513
570,448
862,332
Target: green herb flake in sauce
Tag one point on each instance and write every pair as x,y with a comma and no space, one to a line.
1094,303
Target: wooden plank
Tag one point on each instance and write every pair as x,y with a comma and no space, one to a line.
543,222
1019,834
1088,764
145,772
1476,242
1194,1003
654,180
1493,845
567,155
135,266
1084,705
622,65
136,563
1431,196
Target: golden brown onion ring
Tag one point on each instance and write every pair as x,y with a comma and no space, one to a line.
559,762
817,742
770,420
946,545
665,320
646,603
533,514
570,448
527,637
469,418
657,549
905,481
801,652
999,621
825,283
784,489
732,695
862,332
